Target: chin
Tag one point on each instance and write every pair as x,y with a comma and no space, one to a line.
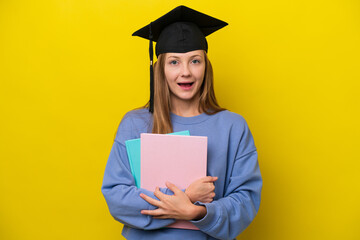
186,98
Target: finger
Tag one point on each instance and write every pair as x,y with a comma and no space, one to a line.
159,194
161,217
164,216
150,200
207,200
209,179
213,179
156,212
206,179
172,187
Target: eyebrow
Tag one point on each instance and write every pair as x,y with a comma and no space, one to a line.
197,55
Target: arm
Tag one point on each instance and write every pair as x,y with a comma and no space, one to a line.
123,197
229,216
224,218
176,206
179,205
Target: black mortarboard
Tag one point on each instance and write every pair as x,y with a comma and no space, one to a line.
180,30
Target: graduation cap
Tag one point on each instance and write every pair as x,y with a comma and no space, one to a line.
179,31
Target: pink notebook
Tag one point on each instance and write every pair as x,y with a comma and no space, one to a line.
177,159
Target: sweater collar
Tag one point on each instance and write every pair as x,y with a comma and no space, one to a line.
189,120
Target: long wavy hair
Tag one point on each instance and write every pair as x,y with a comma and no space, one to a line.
162,104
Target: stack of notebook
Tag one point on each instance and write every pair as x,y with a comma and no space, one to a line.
178,158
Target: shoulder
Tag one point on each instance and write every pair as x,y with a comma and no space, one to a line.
133,123
231,119
136,115
235,124
231,116
234,128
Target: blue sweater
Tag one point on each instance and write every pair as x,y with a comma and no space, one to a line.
232,157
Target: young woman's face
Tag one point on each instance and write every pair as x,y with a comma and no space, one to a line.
184,74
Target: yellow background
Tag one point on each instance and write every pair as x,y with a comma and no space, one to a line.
69,71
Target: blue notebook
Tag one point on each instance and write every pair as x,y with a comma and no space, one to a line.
133,151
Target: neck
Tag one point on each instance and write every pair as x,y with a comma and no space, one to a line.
185,108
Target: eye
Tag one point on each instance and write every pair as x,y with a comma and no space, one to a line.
195,61
173,62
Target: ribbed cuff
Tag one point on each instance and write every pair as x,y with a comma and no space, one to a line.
210,217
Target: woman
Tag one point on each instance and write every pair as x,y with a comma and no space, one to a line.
225,202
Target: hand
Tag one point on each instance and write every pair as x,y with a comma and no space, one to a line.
177,206
202,190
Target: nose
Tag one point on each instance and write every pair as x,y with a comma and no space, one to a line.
185,71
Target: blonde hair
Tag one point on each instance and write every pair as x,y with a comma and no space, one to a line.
162,106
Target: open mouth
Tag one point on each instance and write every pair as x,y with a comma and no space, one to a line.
185,84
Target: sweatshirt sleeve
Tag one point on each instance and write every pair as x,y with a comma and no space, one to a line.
121,194
228,216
